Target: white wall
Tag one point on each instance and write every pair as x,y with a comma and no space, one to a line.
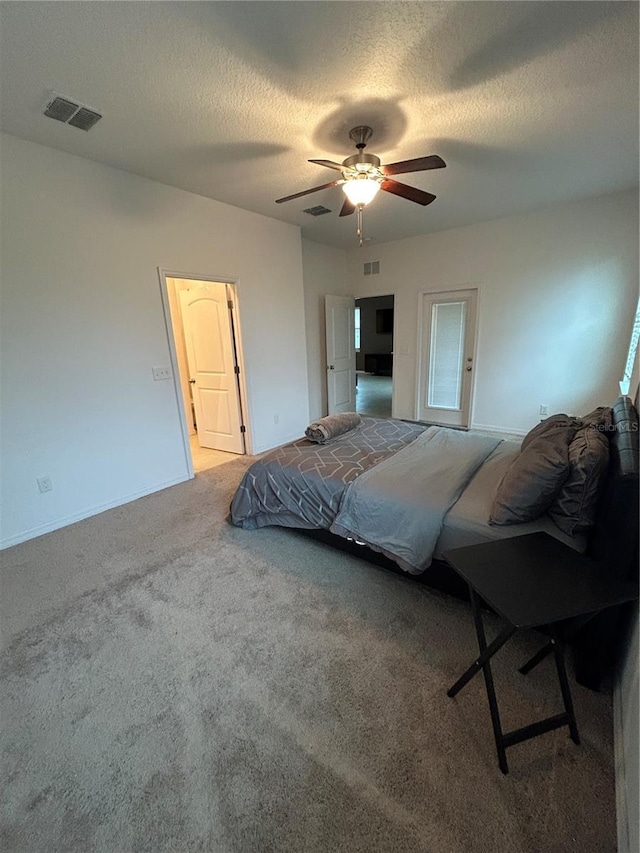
627,715
325,271
82,326
558,290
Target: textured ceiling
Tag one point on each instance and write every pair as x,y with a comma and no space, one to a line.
528,103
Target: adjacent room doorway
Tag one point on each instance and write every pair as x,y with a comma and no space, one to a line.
203,324
447,351
374,340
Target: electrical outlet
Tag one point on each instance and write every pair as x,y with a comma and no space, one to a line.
544,409
161,373
276,419
45,484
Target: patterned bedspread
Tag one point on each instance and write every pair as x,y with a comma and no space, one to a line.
302,484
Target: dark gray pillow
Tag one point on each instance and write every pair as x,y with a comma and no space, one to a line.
574,508
601,418
537,474
550,424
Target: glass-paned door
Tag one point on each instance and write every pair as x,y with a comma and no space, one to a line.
448,346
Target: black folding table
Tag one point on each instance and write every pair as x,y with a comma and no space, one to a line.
533,581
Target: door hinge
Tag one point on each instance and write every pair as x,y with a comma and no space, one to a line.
243,428
230,304
236,369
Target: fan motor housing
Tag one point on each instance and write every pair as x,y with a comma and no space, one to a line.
362,162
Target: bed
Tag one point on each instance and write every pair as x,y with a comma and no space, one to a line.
401,493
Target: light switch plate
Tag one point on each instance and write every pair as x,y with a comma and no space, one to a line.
160,373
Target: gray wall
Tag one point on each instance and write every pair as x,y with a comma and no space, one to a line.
83,325
558,292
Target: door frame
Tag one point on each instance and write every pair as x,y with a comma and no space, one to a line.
163,276
395,338
430,291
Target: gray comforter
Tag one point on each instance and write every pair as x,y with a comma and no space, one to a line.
388,484
302,484
398,506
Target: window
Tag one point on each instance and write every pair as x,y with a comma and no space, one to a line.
631,356
356,326
448,327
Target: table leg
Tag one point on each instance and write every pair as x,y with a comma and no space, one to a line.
545,651
486,652
558,651
539,656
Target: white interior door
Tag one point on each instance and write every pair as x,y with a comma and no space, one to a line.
446,362
211,357
341,353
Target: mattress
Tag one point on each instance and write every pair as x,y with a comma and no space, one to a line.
467,523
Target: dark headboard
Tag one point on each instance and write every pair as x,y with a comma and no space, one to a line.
614,543
614,540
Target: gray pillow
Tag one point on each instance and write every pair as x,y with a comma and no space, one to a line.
574,508
601,418
537,474
549,424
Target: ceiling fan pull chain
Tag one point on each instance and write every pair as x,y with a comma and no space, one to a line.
359,225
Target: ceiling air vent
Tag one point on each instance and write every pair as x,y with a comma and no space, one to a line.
318,210
372,268
62,109
84,119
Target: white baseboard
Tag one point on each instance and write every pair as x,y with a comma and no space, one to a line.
50,526
264,448
504,432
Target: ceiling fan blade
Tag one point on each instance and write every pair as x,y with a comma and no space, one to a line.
328,163
411,193
347,208
306,192
417,165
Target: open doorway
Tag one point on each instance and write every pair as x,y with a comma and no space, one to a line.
374,324
203,325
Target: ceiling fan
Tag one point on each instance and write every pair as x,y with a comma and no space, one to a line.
363,176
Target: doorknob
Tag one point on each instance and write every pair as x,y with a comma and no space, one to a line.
192,382
469,368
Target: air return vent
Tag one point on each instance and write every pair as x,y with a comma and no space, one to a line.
62,109
318,210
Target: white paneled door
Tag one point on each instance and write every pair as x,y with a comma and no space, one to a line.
341,353
446,359
210,349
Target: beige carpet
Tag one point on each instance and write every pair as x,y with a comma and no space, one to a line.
171,683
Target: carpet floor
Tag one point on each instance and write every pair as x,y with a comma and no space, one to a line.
172,683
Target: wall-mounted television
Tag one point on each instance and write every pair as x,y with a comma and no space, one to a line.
384,321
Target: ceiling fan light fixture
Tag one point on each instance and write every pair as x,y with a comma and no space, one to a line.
363,177
360,190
